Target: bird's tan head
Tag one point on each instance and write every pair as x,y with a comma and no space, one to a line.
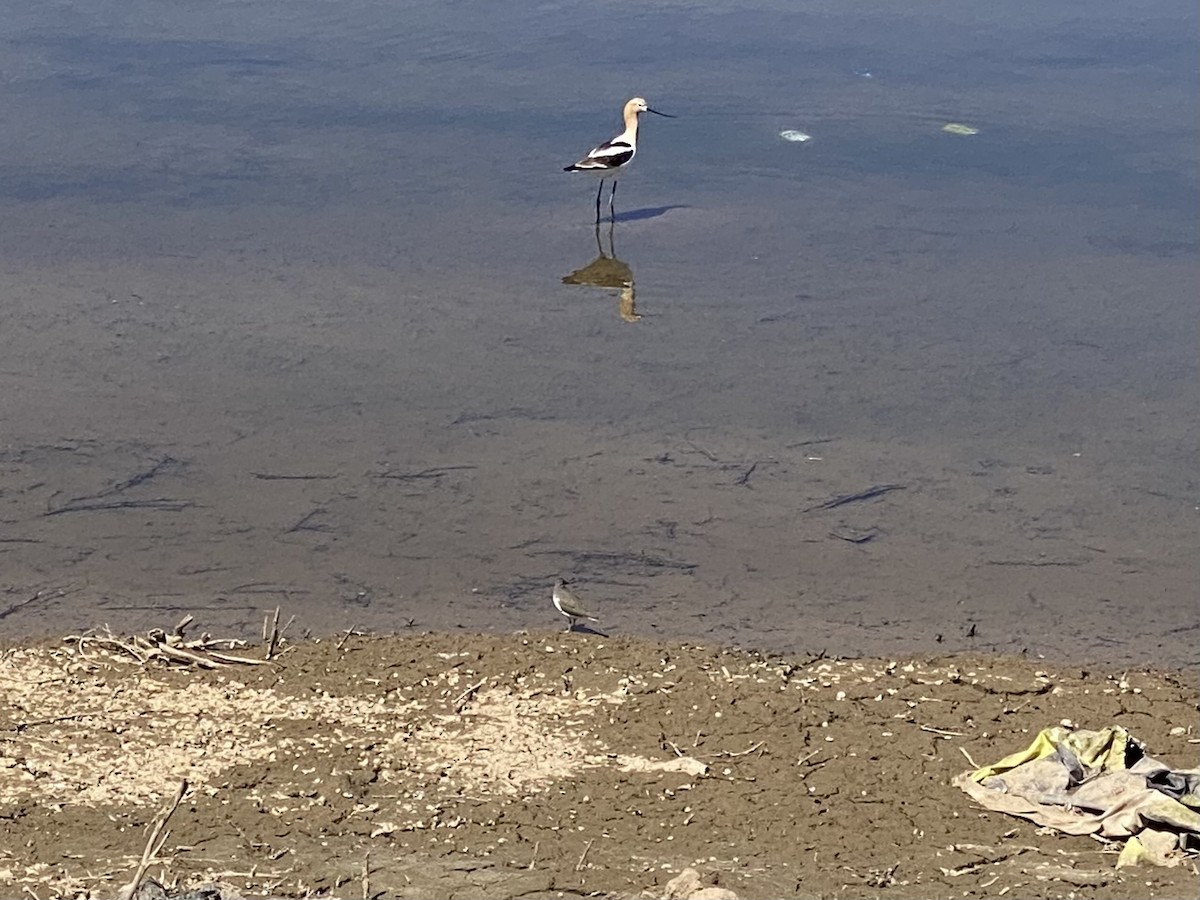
639,105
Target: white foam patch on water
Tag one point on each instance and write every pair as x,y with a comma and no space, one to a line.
798,137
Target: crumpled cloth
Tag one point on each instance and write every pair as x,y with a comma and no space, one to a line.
1096,782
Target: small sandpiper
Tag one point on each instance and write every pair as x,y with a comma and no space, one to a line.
569,605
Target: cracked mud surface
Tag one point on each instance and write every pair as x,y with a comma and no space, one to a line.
552,765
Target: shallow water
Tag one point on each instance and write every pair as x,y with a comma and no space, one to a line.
285,321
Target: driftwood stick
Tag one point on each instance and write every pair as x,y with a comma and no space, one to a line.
745,752
876,490
352,630
43,594
231,659
273,635
4,613
279,476
183,623
52,720
153,845
743,480
168,504
466,696
181,655
110,642
583,856
432,472
205,652
942,731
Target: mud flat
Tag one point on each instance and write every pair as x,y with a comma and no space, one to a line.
549,765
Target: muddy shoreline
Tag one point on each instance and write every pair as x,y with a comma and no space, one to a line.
529,765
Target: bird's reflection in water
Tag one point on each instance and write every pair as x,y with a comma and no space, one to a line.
607,271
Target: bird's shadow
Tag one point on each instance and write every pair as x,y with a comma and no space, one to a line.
649,212
584,628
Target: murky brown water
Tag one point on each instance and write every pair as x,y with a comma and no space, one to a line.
284,322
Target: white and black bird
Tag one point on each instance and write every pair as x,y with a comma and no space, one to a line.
611,157
569,605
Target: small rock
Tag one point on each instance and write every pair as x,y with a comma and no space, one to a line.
688,886
683,885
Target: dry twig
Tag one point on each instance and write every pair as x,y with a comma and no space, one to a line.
942,731
153,845
349,632
466,696
272,637
204,652
665,743
583,856
745,752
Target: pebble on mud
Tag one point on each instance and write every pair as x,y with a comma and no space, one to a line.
688,886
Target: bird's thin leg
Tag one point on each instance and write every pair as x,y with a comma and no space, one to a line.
599,191
611,212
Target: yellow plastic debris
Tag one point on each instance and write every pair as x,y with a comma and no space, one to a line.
1131,854
1104,749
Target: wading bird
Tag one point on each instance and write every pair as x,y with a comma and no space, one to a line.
569,605
611,157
